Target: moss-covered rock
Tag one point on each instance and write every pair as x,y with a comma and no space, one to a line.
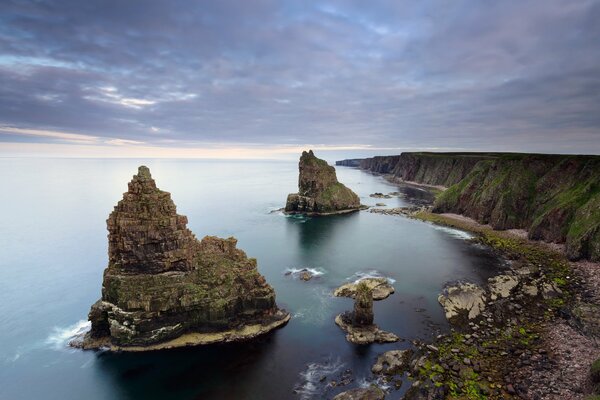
319,191
162,283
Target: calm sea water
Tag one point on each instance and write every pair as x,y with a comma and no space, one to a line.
53,251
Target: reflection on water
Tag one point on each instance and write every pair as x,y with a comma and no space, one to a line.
52,273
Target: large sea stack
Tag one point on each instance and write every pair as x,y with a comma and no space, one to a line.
319,191
164,288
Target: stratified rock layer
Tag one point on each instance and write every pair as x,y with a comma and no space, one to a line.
164,288
319,191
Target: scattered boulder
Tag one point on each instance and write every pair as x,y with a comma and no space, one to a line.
380,287
370,393
319,191
378,195
393,362
164,288
463,298
501,286
380,204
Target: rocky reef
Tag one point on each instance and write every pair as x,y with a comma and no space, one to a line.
164,288
556,198
319,191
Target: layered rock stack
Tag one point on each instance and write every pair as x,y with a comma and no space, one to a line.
319,191
363,306
163,288
358,324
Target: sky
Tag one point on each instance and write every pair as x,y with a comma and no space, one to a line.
266,79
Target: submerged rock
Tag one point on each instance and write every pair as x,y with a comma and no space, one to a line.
319,191
462,299
164,288
370,393
380,288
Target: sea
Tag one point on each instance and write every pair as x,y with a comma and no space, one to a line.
54,249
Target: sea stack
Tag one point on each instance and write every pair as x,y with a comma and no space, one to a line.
319,191
164,288
358,325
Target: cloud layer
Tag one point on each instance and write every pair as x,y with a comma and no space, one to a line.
473,75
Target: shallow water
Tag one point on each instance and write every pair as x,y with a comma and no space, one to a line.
54,247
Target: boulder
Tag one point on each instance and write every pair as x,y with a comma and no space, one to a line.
365,334
380,288
319,191
501,286
164,288
462,299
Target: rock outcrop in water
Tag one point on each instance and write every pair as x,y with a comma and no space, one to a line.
380,287
164,288
554,197
319,191
359,324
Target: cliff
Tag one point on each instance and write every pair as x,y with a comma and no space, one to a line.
319,191
164,288
353,162
555,198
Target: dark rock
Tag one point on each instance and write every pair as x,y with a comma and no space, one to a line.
319,191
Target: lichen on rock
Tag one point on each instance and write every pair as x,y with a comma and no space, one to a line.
164,288
319,191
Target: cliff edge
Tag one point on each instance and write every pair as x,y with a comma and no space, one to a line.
556,198
164,288
319,191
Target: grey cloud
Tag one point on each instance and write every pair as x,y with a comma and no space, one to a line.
461,74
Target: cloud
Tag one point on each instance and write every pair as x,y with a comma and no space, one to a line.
467,74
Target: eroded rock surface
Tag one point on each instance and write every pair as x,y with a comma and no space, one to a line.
380,288
319,191
463,299
164,288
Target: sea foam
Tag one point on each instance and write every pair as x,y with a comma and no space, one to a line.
60,337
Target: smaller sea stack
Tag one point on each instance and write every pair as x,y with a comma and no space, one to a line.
319,191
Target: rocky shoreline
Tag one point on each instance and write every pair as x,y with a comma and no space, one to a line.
532,332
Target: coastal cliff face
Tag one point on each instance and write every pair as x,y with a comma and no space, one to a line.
555,198
319,191
161,282
439,169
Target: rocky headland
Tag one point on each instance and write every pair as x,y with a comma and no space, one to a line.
555,198
319,192
164,288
